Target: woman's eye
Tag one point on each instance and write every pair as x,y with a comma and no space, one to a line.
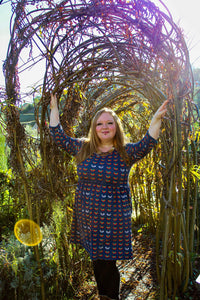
109,123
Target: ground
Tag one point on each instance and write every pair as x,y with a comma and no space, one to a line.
138,276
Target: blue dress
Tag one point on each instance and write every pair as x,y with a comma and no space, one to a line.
102,210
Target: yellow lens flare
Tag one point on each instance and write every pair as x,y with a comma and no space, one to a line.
28,232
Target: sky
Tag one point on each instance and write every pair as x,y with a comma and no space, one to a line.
186,14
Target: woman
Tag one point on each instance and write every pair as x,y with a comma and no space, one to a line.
102,211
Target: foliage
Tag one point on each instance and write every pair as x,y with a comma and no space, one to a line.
127,55
7,209
3,157
19,271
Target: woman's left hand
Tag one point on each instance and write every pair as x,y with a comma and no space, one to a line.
155,125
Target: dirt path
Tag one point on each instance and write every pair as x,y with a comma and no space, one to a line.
138,276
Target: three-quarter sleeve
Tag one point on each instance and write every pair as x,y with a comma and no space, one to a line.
69,144
138,150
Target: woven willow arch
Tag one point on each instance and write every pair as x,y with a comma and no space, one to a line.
92,46
100,53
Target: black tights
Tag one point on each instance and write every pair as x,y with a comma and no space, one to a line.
107,277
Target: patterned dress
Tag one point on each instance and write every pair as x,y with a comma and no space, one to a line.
102,210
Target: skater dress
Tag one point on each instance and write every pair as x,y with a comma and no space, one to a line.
102,209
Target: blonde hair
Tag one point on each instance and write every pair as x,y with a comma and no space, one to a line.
91,144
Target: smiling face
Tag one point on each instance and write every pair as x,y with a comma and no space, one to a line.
106,128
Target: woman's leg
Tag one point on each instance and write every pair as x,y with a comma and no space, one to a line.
107,277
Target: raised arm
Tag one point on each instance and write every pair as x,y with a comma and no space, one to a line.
69,144
155,125
54,114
